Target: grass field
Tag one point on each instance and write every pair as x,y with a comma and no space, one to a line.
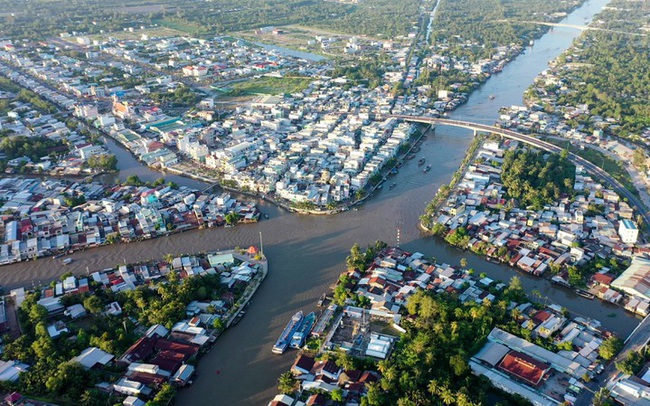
269,85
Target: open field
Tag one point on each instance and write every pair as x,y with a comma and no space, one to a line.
269,85
144,9
135,35
298,36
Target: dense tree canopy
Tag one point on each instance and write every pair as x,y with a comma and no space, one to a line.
537,178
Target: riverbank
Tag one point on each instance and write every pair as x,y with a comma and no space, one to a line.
384,173
560,243
155,319
445,190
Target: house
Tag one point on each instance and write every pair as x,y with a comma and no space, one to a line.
126,386
285,400
302,365
524,368
10,370
93,356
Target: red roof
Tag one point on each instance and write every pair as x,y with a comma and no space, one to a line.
140,350
524,367
175,346
541,316
604,278
304,363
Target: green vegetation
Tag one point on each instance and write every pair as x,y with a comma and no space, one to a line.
369,73
580,275
51,374
633,362
183,96
613,167
610,348
287,383
430,364
493,23
32,147
270,85
612,75
537,178
40,20
103,162
362,260
166,304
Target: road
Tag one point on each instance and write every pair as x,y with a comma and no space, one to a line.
635,341
593,169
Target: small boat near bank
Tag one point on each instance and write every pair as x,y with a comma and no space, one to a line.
426,169
421,161
287,334
392,186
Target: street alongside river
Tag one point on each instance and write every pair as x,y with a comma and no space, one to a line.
306,253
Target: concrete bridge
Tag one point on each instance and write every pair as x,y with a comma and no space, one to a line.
576,26
594,170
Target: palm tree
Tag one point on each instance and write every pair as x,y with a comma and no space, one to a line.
287,383
447,396
433,387
463,262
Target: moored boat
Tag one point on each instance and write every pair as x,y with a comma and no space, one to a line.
287,334
300,336
426,169
421,162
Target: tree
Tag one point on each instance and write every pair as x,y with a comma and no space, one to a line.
38,313
232,218
601,398
133,180
463,263
610,348
93,304
218,324
287,383
337,395
458,364
164,396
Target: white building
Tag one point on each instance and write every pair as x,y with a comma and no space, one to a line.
628,231
636,279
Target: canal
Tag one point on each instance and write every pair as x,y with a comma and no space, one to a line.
306,253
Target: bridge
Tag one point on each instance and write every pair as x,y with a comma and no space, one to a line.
594,170
578,27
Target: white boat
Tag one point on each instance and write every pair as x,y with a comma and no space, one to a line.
285,338
67,261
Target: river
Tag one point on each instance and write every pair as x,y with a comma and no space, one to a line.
306,253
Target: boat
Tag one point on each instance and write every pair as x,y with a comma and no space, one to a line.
492,97
321,300
238,317
421,161
266,216
67,261
287,334
584,293
392,186
302,332
426,169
